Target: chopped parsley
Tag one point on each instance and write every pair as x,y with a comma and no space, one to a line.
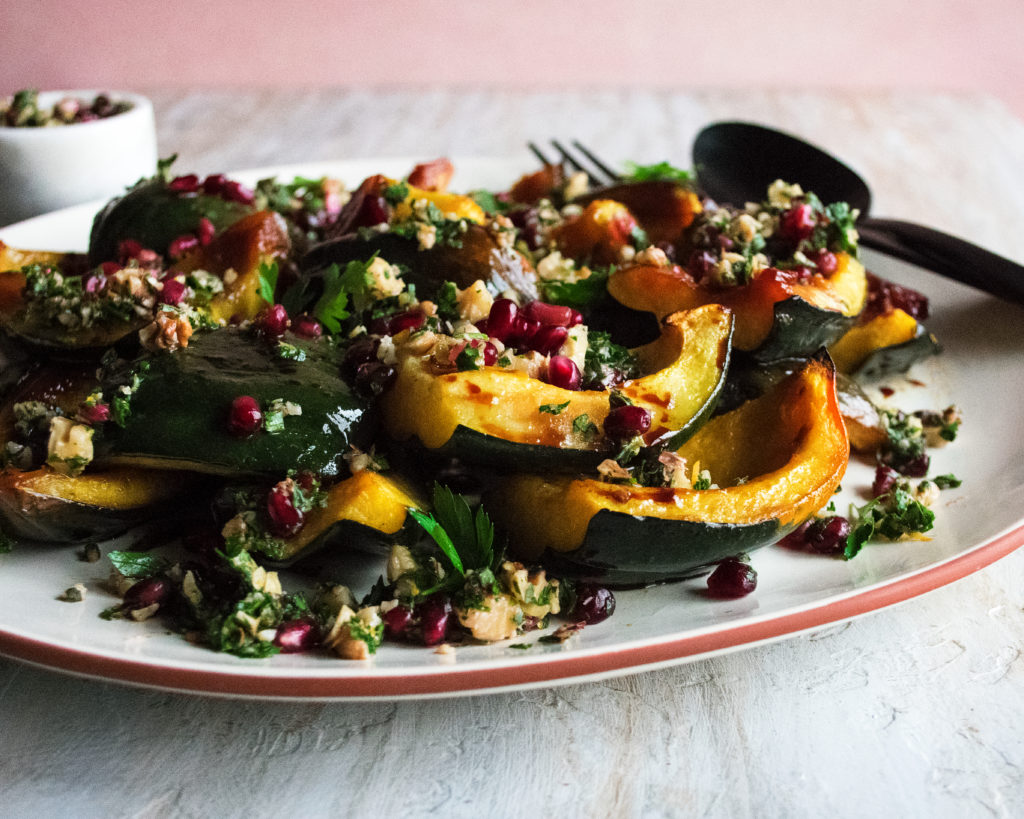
341,288
469,358
606,363
394,194
703,480
138,564
268,274
584,427
447,301
588,292
659,171
290,351
553,409
947,481
893,515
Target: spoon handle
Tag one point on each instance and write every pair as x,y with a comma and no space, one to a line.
946,255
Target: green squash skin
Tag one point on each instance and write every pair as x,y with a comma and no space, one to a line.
479,258
487,450
71,523
154,216
621,550
180,411
799,329
898,358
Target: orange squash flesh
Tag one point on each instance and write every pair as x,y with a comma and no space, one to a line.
777,460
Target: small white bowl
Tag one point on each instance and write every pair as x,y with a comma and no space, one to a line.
43,169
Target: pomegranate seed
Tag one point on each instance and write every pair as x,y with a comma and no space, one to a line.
701,263
434,614
826,262
501,319
145,593
548,340
549,314
173,292
374,377
93,414
245,416
361,351
182,245
95,283
206,231
916,468
305,326
297,635
593,604
732,578
523,331
285,518
797,223
490,354
128,249
373,210
885,477
273,321
184,184
405,321
823,535
214,184
563,372
397,622
627,422
236,192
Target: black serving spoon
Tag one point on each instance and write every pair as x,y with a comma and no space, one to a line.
736,161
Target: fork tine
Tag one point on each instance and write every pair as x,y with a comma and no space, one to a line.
607,171
537,152
567,157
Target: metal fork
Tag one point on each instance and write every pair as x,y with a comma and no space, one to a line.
591,165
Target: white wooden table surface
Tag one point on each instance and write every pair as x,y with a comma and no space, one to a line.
914,711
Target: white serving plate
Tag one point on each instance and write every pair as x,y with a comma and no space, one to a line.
655,627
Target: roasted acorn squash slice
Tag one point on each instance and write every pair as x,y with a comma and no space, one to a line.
179,413
777,458
777,315
153,214
887,344
47,506
495,416
368,510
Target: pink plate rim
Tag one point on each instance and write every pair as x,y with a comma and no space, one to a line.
573,667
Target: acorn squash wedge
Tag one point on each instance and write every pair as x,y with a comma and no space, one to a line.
153,214
505,418
478,256
368,511
47,506
887,344
777,458
236,256
778,315
178,416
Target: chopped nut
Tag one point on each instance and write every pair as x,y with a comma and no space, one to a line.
167,332
69,449
499,622
652,256
145,613
75,594
90,553
612,470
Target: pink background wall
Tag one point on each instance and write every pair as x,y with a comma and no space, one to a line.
957,45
